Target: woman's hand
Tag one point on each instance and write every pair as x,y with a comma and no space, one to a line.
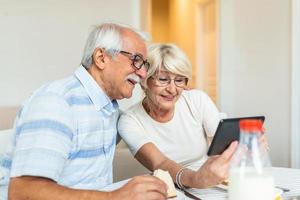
263,141
215,169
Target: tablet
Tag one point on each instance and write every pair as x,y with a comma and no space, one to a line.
228,131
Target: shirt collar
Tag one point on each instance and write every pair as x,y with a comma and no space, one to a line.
95,92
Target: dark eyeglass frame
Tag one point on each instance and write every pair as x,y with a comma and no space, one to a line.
137,60
160,84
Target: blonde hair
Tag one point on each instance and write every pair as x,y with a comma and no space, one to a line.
169,57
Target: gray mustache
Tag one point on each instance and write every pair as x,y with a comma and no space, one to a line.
134,77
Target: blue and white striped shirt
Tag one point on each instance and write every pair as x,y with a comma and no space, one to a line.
66,131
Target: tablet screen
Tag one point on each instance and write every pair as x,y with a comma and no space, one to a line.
228,131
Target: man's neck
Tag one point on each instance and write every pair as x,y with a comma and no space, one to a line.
97,76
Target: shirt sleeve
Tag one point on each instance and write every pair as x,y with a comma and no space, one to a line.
44,133
204,110
132,132
211,116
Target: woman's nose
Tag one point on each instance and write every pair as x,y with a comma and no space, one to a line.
171,87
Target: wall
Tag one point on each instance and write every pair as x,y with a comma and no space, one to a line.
43,40
295,79
174,21
182,29
255,67
160,19
206,44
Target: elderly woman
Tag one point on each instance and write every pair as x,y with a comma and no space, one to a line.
170,128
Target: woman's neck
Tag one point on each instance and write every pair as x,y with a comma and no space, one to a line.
157,113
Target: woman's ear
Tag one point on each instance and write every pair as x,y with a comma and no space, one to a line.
99,58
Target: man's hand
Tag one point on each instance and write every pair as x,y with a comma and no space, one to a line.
35,188
142,188
215,169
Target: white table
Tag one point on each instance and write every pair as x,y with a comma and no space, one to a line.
284,177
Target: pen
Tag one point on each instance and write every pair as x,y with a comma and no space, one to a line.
186,193
190,195
283,189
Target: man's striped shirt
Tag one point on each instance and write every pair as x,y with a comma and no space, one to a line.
66,131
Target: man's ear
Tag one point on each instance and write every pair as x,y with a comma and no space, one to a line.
99,57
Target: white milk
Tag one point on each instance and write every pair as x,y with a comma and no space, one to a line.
249,185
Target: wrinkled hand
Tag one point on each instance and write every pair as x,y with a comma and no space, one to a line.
142,188
215,169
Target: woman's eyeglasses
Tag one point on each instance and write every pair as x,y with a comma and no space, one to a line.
162,81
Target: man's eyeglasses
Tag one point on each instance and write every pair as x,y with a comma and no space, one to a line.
137,60
163,81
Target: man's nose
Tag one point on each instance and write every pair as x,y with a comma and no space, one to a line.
142,72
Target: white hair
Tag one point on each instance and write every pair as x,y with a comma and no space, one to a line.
169,57
107,36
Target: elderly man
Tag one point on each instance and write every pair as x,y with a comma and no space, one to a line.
65,134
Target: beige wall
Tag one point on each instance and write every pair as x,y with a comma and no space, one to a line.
160,19
255,67
177,21
182,28
174,21
43,40
208,74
